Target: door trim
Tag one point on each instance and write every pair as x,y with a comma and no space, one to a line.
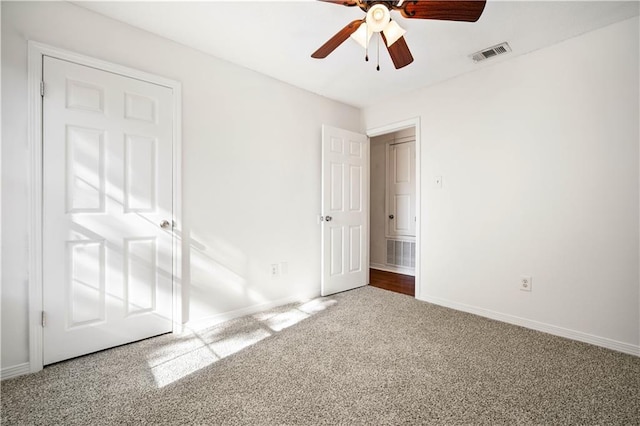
36,52
394,127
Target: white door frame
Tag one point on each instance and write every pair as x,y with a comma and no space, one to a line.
391,128
36,53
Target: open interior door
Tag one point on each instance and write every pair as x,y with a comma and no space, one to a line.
345,210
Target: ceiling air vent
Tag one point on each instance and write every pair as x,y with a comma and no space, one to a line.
498,49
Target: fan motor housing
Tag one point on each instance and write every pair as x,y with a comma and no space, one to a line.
365,5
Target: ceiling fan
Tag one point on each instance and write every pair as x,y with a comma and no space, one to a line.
378,20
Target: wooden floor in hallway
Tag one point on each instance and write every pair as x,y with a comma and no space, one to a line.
399,283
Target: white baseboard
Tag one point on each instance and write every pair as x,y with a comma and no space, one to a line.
15,371
604,342
214,320
394,269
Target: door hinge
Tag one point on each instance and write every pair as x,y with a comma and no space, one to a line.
44,319
42,89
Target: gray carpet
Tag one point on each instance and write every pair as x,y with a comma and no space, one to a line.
366,356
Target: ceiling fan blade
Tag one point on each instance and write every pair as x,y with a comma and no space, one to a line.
337,39
342,2
399,52
454,10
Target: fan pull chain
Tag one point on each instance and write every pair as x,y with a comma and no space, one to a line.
366,46
379,37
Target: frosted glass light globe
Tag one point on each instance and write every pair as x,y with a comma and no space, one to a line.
378,17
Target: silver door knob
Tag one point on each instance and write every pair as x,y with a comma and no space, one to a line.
391,216
165,224
328,218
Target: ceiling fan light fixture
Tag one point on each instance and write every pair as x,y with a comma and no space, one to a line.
392,32
362,35
378,18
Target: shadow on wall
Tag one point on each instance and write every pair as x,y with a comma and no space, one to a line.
215,278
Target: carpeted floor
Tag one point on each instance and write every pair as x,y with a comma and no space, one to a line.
367,356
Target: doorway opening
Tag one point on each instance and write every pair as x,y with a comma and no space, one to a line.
394,206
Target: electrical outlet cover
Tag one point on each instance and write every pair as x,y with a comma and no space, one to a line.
275,270
525,282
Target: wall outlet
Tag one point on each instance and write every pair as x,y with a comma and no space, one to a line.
275,270
525,282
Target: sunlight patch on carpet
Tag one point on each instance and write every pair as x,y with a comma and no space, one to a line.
183,365
197,349
285,319
316,305
233,344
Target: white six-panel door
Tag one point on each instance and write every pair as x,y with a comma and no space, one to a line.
107,180
401,217
345,209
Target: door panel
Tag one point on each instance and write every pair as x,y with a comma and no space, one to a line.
336,247
140,174
355,186
140,282
107,180
403,216
87,293
84,170
355,243
345,206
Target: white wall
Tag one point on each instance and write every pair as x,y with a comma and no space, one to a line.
251,165
539,157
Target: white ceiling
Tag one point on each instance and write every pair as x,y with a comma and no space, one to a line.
277,39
